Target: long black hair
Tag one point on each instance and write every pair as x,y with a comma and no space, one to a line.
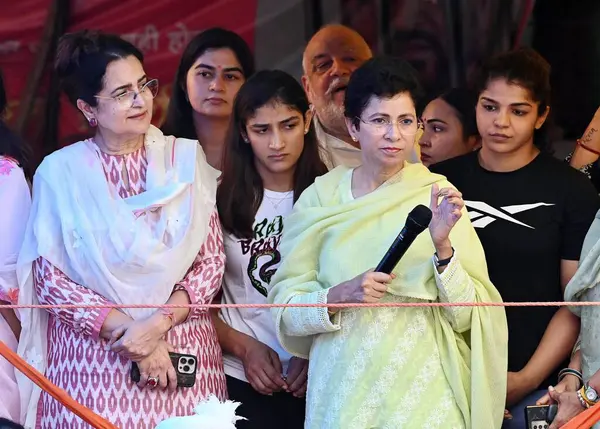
180,120
241,190
11,145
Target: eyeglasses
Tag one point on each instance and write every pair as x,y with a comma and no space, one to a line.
408,126
127,98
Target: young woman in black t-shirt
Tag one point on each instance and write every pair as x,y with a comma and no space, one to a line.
531,212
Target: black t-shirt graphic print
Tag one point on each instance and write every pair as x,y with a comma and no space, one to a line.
528,220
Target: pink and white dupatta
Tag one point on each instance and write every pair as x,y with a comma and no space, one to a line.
107,243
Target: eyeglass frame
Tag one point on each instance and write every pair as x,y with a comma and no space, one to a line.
420,125
135,93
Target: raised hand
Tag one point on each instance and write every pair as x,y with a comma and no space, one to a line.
445,213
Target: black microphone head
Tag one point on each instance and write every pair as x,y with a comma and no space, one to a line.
419,218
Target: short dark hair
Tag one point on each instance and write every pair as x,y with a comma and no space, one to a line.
241,190
464,103
523,67
383,76
82,59
179,121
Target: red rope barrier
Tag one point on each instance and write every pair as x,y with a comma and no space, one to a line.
583,421
346,305
57,393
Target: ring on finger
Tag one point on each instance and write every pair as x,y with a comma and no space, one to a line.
153,381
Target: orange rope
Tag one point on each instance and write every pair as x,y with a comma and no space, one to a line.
345,305
57,393
585,420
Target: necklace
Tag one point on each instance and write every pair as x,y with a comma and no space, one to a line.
276,202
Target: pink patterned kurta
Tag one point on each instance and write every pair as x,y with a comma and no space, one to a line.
99,379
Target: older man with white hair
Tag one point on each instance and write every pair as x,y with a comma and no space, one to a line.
329,59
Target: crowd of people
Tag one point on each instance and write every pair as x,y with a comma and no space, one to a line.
259,189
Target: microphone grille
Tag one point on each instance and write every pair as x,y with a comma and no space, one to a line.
420,215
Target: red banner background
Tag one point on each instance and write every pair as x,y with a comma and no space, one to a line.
160,28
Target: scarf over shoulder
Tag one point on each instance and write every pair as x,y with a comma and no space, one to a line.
330,238
588,271
106,243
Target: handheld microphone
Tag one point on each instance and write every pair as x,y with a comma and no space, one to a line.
416,222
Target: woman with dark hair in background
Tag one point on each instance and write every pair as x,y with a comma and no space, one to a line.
531,212
450,129
125,217
271,156
212,69
16,203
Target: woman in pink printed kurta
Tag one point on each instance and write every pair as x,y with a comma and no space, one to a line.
77,358
126,217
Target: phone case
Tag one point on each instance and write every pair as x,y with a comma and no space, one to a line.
540,416
185,367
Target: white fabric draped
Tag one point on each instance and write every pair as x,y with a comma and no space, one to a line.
107,243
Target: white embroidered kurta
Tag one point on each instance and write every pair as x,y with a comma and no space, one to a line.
391,360
16,202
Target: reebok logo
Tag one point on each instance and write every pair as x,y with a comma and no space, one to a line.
482,214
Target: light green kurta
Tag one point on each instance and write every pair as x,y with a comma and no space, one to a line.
389,368
583,287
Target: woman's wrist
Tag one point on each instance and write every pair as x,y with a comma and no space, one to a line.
334,296
162,321
239,343
571,376
443,249
529,379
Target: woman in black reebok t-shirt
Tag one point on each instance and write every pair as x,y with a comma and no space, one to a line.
531,212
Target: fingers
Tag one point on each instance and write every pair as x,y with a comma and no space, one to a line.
456,201
158,367
268,381
257,384
435,189
301,392
276,381
544,400
116,335
275,361
450,193
143,379
554,395
377,279
375,285
117,345
163,379
172,378
299,381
